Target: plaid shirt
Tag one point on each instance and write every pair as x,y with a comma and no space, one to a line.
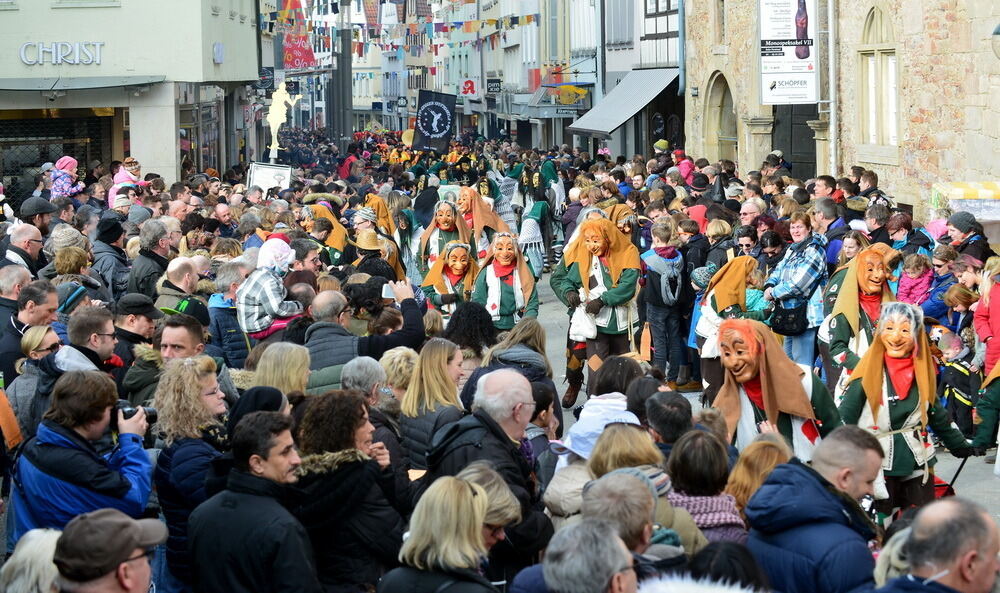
261,299
798,274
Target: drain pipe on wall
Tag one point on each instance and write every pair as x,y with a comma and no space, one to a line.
833,73
682,52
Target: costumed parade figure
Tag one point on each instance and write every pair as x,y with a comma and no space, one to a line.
506,284
532,239
763,385
447,226
482,222
333,245
372,246
892,393
599,286
451,278
851,325
366,219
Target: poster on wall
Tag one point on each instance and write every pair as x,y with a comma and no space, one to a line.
789,66
266,176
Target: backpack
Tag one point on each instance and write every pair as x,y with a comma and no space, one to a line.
671,282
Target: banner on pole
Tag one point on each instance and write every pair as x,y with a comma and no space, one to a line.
787,45
435,121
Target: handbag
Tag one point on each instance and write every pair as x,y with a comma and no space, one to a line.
794,321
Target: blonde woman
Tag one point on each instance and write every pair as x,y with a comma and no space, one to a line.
623,446
284,366
36,343
190,406
445,543
431,400
31,569
399,363
754,466
503,508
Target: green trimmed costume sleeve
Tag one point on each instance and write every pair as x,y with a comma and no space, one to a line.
840,342
625,291
432,295
851,405
560,283
480,292
827,414
531,307
988,410
939,420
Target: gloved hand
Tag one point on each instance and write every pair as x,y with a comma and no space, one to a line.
447,299
978,451
594,306
572,298
963,452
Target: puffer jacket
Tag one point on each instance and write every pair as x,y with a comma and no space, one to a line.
179,476
60,475
112,265
96,288
410,580
345,502
169,296
226,331
21,393
807,536
419,431
146,270
564,496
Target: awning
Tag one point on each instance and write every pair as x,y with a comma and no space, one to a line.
76,83
634,92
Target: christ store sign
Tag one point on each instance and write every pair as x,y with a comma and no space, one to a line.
81,53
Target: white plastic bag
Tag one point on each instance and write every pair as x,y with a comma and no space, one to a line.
582,327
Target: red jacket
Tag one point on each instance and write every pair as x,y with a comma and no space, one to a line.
987,324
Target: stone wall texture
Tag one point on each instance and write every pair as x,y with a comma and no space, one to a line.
948,89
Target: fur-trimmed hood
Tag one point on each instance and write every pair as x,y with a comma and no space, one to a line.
330,461
149,354
243,378
685,584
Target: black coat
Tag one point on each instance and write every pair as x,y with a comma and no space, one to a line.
387,433
410,580
346,502
479,437
243,540
146,270
695,252
418,432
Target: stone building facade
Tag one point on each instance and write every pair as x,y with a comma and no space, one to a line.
917,85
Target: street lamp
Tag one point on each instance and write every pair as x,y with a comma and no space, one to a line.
995,39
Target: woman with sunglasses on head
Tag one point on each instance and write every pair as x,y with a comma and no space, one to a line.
36,343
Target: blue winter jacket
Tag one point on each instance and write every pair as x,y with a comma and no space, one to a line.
226,331
60,475
912,584
934,306
180,475
807,536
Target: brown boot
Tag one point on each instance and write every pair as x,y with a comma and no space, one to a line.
673,386
569,398
690,386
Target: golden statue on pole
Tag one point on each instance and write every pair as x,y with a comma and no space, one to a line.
277,114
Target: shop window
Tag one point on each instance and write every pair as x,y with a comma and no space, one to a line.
8,4
878,109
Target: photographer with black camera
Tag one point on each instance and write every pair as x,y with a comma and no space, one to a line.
59,474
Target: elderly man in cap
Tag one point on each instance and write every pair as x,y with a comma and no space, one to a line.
107,551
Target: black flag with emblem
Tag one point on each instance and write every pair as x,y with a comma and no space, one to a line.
435,121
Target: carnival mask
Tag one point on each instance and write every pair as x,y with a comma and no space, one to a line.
484,188
464,202
595,243
503,250
871,273
458,261
897,337
443,175
737,357
445,218
624,227
536,179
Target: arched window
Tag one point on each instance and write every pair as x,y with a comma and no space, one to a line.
878,111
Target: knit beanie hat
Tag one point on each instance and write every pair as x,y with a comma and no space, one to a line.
703,275
70,295
109,230
64,236
131,165
121,201
963,221
139,214
661,145
366,213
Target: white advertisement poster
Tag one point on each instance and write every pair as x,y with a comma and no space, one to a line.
788,61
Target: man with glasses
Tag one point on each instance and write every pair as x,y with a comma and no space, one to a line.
36,305
61,474
25,249
751,209
306,256
106,550
503,407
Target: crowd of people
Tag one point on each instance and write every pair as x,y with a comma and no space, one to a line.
342,385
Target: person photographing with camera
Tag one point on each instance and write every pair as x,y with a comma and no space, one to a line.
59,474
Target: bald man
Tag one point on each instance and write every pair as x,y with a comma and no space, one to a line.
180,282
25,245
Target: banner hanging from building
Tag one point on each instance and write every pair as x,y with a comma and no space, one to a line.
434,125
787,44
296,46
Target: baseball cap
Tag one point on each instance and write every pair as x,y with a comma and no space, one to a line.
48,166
193,307
583,435
94,544
137,304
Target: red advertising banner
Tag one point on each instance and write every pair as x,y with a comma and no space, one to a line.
298,52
